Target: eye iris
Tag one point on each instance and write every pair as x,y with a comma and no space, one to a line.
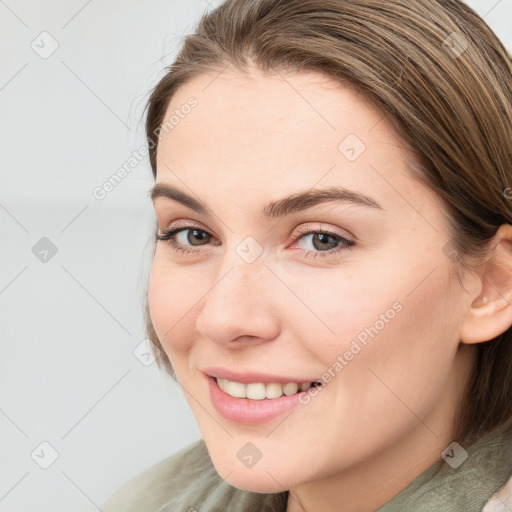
196,233
324,241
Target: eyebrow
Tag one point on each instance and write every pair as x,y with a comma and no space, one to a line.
291,204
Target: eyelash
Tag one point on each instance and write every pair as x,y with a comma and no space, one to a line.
168,236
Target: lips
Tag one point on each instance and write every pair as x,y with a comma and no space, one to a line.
253,377
253,398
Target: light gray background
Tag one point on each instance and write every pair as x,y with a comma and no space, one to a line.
69,325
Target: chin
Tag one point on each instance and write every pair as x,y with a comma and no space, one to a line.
261,482
263,476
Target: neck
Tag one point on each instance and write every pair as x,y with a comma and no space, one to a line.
373,483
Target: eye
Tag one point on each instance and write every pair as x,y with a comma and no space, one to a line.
179,238
186,239
323,242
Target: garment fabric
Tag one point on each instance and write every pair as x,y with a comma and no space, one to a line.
188,482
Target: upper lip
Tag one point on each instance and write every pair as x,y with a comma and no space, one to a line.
250,377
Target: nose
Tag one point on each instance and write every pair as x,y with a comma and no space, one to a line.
240,305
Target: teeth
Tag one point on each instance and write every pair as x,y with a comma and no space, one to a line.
256,391
291,388
274,390
236,389
260,391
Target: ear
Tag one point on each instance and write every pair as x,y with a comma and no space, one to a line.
490,313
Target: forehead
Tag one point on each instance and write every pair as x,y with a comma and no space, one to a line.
254,107
274,132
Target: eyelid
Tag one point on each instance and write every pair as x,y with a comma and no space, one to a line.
302,229
185,224
346,243
343,233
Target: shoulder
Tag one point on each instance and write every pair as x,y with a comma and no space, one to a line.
179,474
502,500
188,482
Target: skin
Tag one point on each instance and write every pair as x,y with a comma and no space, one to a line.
389,414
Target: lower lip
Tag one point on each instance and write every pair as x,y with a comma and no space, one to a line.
250,412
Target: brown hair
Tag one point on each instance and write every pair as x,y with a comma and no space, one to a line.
443,79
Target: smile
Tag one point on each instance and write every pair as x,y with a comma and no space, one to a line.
253,402
260,390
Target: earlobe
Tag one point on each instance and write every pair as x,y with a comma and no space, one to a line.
486,321
482,300
490,312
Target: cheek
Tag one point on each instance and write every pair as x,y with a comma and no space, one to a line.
341,307
173,293
405,365
398,320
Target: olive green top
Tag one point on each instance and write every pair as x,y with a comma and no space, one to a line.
188,482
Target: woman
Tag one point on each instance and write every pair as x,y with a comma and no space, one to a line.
332,272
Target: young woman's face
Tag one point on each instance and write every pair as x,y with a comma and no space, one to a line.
369,305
